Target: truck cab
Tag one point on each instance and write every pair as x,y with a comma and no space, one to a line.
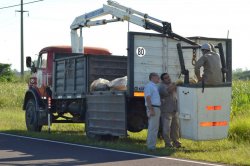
43,66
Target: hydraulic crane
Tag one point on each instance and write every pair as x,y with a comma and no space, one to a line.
119,13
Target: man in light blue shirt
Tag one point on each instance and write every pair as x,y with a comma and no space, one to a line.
152,102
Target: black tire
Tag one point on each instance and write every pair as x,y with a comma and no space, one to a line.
135,121
31,116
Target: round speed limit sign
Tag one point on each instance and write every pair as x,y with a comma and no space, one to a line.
140,51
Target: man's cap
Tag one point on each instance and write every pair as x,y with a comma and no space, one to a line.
206,47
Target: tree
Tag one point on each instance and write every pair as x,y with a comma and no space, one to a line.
6,75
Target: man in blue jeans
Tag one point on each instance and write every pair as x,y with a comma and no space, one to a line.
152,102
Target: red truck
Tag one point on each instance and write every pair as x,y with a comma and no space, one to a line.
60,83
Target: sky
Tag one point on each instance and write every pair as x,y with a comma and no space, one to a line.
48,23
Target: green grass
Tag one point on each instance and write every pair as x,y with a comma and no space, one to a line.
222,151
235,150
240,98
240,114
240,128
12,94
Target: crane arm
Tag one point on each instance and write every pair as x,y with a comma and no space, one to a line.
119,13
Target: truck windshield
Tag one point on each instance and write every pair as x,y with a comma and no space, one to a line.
42,61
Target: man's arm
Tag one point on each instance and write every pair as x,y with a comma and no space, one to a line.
149,105
147,93
172,88
197,67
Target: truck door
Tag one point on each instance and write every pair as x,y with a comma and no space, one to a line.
42,74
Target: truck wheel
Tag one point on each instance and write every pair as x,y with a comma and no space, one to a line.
136,122
31,116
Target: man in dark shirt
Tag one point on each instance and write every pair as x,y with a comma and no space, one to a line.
169,114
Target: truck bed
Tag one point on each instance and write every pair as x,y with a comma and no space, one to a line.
74,73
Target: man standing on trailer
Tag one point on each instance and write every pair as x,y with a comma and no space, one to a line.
212,68
152,102
169,114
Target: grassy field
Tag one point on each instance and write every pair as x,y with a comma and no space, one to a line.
234,150
240,116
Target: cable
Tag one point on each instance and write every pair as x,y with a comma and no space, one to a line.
20,4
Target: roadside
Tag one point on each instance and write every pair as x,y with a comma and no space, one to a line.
16,150
222,151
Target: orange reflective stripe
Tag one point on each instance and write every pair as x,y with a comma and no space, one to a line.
218,107
209,124
209,108
138,94
213,108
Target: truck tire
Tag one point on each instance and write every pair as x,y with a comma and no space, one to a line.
136,121
31,116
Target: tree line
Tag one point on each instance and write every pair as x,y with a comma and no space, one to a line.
8,75
240,74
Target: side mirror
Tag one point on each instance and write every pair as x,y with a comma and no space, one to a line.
28,61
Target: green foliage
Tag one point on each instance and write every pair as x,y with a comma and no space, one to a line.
6,75
240,114
240,97
12,94
239,74
24,79
240,129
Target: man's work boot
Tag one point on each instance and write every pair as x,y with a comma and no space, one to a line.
177,144
168,145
